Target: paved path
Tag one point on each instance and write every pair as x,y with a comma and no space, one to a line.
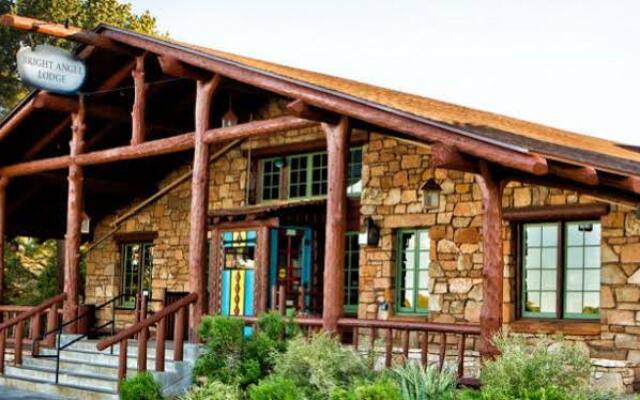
7,393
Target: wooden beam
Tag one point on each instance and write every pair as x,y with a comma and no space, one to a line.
65,104
302,110
62,32
336,223
16,119
138,126
421,130
173,67
200,203
580,174
448,157
626,183
491,187
74,220
4,181
168,145
555,213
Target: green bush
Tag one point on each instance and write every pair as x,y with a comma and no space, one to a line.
379,389
237,360
140,387
418,383
320,365
275,388
543,369
212,390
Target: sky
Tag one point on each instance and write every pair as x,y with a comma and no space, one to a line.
570,64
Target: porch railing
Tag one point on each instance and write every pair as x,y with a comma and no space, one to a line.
141,330
32,316
392,332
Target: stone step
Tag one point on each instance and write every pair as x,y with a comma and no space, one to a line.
69,391
76,377
96,358
132,348
96,369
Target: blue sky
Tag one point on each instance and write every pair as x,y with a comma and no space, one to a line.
572,64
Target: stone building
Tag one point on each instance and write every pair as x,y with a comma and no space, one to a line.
420,212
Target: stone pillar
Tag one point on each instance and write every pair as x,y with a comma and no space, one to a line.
336,224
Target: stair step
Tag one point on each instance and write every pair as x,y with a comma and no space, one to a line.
70,391
132,348
96,358
96,369
76,377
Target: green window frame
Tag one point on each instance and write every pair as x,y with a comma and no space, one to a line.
413,256
306,175
351,273
560,270
136,271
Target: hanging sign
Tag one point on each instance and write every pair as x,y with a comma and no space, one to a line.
51,68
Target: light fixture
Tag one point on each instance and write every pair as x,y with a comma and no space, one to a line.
278,162
229,118
431,195
371,234
85,226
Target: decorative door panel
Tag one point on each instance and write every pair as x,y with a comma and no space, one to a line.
238,273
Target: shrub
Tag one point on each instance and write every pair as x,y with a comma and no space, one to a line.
320,365
418,383
380,389
140,387
530,370
212,390
275,388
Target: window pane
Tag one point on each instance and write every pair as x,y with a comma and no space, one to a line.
592,279
583,269
532,303
412,277
574,303
574,279
549,258
533,280
592,257
423,299
319,174
354,178
575,257
591,303
533,258
574,236
550,235
549,280
592,237
540,269
298,176
534,236
270,179
548,302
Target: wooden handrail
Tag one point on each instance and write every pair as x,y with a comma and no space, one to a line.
410,325
35,310
152,320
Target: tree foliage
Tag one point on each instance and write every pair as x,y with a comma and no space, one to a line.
86,14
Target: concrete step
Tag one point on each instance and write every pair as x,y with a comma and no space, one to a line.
95,369
69,391
95,358
132,348
77,377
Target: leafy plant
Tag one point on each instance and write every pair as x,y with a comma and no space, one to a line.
275,388
380,389
532,370
212,390
140,387
418,383
320,365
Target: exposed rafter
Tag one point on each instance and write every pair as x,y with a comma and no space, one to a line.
443,156
54,102
174,67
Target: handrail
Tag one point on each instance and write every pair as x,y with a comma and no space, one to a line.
141,329
35,310
410,325
148,322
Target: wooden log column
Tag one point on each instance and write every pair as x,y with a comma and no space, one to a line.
138,126
4,181
491,187
199,203
336,224
74,219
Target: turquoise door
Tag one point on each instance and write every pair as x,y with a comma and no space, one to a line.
290,265
238,273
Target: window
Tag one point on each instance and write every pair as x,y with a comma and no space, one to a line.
561,270
412,272
351,272
137,265
307,175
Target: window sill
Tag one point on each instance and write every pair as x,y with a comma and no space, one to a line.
554,326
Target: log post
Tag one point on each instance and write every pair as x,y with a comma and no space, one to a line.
336,224
74,219
493,269
199,202
4,181
138,125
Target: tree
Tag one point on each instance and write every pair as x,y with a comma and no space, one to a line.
86,14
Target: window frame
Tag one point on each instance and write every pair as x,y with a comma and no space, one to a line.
348,269
561,273
129,304
399,309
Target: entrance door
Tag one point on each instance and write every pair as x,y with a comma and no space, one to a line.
238,272
291,265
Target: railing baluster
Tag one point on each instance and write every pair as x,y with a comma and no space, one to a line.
356,338
160,343
282,300
443,349
35,334
122,361
424,351
178,336
3,341
143,336
52,322
17,357
405,344
461,345
388,354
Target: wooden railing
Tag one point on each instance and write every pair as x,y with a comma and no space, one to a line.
141,330
32,316
392,332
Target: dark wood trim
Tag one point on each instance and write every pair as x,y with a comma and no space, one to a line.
565,327
556,213
358,138
516,229
239,225
135,237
